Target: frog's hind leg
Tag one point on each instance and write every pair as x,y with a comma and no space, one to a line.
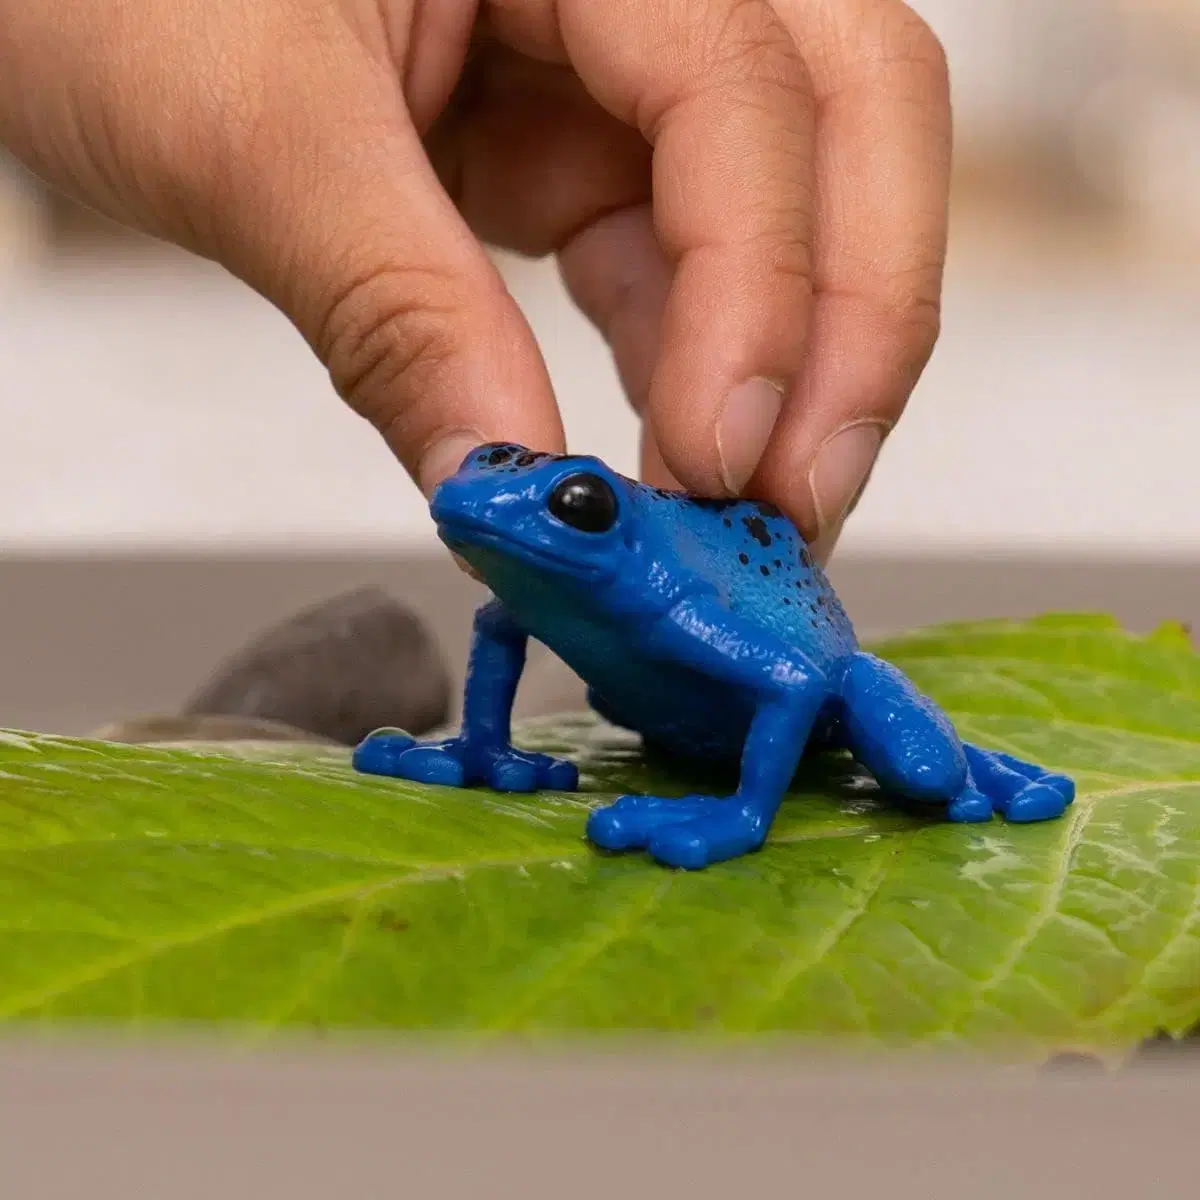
911,748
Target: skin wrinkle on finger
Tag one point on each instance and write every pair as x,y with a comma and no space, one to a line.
691,194
835,34
708,149
382,329
356,338
853,257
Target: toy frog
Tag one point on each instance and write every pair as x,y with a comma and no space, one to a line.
703,625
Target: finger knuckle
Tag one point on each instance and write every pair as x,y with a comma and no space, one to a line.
750,43
916,310
737,50
922,328
783,246
904,307
384,333
906,38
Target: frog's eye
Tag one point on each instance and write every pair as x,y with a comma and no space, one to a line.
585,502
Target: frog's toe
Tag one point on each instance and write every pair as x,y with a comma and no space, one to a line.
1019,790
379,753
436,765
1061,785
613,830
519,771
1030,771
727,831
631,821
970,808
512,772
1037,802
681,847
555,774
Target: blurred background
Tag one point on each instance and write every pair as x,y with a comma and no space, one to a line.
175,470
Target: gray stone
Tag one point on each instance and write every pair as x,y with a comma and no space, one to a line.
338,670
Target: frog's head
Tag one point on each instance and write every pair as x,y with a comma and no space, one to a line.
560,515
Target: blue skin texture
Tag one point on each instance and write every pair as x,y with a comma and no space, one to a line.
706,627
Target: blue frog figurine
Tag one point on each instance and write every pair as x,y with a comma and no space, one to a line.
703,625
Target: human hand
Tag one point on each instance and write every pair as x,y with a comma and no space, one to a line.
769,280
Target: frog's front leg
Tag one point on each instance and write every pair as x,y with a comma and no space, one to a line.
789,691
482,753
911,748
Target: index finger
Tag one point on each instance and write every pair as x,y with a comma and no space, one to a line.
719,89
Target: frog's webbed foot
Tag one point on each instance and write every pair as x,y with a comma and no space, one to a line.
911,748
460,762
692,832
1019,791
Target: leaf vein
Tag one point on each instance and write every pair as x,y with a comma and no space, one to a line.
97,972
1044,913
1188,922
799,966
617,928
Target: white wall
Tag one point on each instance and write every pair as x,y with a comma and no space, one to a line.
156,402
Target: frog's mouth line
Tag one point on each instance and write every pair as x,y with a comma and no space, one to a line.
460,534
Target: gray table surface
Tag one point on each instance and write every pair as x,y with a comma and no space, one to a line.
197,1123
90,640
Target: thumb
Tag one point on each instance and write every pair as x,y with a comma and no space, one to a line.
380,274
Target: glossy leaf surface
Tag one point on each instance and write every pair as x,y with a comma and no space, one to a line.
274,887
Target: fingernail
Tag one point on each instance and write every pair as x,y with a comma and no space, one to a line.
840,470
751,411
445,456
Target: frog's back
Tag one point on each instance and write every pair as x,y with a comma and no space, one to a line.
760,566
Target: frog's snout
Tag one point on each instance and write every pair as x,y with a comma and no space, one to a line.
472,501
453,502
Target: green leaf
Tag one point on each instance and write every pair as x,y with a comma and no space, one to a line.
272,887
